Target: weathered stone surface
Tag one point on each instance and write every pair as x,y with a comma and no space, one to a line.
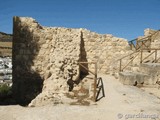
151,39
104,48
44,54
153,70
148,75
133,78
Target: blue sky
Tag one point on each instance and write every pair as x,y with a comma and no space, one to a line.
122,18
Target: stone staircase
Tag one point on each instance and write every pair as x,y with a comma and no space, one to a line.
144,69
139,73
148,74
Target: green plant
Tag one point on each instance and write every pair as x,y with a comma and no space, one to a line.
5,90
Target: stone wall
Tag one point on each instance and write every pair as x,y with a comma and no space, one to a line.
42,54
155,38
105,50
42,57
25,52
151,39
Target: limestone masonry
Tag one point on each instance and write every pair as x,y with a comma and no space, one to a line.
43,55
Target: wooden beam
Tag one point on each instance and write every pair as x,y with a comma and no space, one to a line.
95,82
155,56
147,56
129,55
87,62
141,56
120,65
86,68
130,61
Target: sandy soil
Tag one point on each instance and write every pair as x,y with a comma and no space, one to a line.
120,103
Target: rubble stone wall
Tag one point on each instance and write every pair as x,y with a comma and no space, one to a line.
155,39
43,55
105,50
150,42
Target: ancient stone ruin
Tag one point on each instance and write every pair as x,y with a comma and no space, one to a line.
43,56
144,69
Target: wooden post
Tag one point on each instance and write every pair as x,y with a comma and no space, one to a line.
136,44
150,43
141,45
155,56
95,77
131,45
141,56
95,82
120,67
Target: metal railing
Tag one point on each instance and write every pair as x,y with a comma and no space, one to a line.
100,87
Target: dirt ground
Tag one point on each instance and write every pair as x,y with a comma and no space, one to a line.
120,103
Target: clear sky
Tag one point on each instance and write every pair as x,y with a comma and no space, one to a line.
122,18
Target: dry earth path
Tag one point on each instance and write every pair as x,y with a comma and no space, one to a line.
121,103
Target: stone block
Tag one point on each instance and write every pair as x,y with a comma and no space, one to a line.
152,69
133,78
